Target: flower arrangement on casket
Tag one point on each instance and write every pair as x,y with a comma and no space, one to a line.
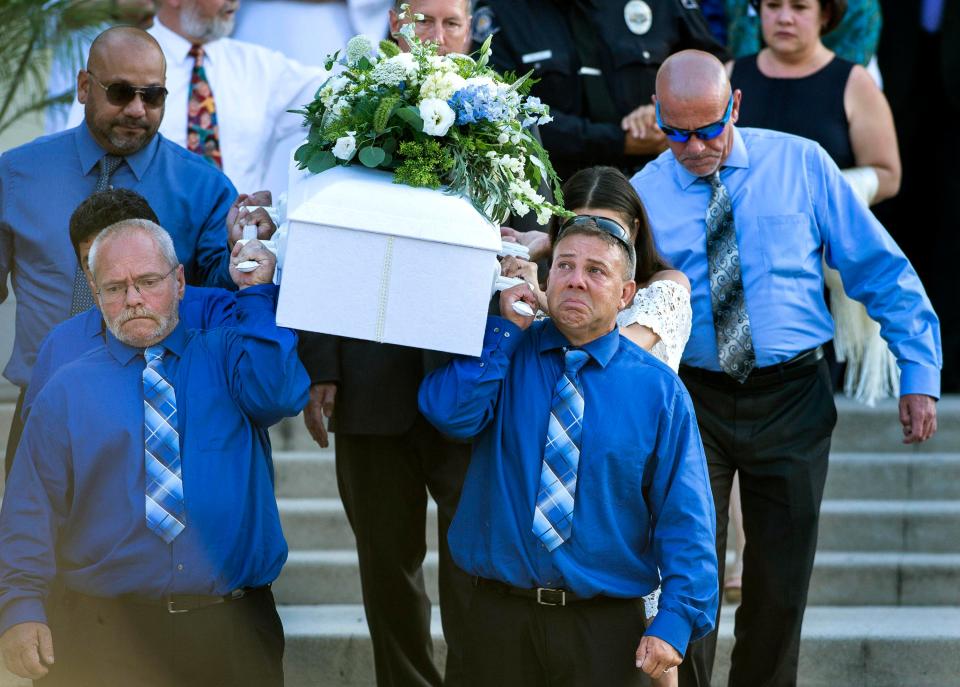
434,121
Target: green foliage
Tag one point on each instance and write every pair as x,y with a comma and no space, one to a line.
372,156
35,32
425,163
382,116
389,48
411,116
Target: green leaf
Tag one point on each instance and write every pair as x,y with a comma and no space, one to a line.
389,48
321,161
303,152
372,156
411,116
389,145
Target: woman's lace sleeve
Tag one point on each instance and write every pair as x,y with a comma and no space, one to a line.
664,307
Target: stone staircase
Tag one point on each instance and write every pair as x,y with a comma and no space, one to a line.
884,600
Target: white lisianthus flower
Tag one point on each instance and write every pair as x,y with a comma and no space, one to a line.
503,138
440,85
345,146
437,116
545,119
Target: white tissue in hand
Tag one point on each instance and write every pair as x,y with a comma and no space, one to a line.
522,308
247,266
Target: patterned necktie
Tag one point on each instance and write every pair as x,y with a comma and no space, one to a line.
203,134
553,515
730,318
166,516
82,298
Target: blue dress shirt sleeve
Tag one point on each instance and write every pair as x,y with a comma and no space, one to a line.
29,523
460,398
683,517
877,273
6,238
212,257
267,379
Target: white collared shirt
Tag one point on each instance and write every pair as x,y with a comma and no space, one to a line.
253,87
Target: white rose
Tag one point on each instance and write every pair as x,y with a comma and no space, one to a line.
437,116
345,146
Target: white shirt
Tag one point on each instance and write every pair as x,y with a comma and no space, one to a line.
253,88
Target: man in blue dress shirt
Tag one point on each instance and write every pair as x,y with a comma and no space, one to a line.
140,531
118,145
749,215
587,485
201,307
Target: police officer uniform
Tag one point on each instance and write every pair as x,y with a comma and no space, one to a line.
596,61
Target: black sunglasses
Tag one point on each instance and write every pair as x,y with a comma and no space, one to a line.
121,94
604,224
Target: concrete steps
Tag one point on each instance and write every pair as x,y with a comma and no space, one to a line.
853,647
845,525
884,599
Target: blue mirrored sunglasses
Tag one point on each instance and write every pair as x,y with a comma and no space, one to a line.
704,133
604,224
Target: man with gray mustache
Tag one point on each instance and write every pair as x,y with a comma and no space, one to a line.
140,531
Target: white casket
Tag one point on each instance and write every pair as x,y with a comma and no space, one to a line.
369,259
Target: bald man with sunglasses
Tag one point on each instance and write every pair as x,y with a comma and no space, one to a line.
123,94
750,216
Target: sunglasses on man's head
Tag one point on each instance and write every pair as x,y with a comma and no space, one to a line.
704,133
604,224
121,94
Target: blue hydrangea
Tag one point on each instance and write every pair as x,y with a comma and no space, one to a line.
477,103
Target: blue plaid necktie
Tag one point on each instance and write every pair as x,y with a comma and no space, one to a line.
553,516
730,318
166,515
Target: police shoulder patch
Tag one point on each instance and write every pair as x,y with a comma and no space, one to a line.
484,24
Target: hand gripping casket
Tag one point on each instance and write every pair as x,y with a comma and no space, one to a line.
369,259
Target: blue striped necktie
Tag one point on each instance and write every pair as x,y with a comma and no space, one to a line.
553,515
166,515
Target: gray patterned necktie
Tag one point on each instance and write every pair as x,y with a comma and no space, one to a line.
730,318
82,298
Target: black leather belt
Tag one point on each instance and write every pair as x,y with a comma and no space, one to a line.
544,596
174,603
799,360
763,375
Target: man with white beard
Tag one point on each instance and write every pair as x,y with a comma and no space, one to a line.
140,531
229,100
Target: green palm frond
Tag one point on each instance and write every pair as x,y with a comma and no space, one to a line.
34,33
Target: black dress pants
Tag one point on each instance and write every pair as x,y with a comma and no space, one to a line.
111,643
513,641
774,431
383,483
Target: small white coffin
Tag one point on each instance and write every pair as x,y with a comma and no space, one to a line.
369,259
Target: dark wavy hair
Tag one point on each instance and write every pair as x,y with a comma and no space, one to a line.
608,189
834,9
104,208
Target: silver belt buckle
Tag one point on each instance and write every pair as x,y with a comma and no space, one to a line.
542,602
172,608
